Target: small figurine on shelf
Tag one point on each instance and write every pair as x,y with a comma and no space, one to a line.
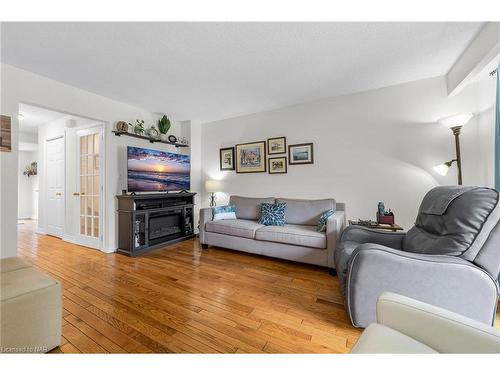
122,127
138,127
152,133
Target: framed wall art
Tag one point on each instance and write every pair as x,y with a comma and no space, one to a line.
301,154
226,156
251,157
276,145
5,134
277,165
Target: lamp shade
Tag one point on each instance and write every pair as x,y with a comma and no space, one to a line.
213,186
456,120
442,169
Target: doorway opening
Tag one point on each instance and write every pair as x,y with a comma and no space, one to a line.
64,157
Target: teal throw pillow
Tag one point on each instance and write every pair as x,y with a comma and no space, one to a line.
224,212
272,214
321,227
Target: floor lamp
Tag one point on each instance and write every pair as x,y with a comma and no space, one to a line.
455,124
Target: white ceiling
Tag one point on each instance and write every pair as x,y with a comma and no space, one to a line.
209,71
35,117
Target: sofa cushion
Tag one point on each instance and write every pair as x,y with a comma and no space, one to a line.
248,208
235,227
272,214
299,235
305,211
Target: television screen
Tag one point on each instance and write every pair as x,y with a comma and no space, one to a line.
152,170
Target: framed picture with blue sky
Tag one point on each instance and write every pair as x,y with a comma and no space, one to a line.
301,154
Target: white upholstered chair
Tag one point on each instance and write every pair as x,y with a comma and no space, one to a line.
405,325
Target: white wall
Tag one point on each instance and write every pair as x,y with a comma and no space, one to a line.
19,86
374,146
28,187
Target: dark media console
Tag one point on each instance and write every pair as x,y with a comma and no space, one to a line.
150,221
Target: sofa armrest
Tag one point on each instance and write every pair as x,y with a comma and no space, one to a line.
442,330
205,217
449,282
334,227
359,234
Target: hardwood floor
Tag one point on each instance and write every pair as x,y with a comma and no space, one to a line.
181,299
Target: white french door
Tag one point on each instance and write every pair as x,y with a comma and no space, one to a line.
90,180
55,186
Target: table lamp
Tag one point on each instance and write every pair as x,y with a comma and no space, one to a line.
212,187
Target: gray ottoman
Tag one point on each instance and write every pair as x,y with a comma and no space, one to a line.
30,310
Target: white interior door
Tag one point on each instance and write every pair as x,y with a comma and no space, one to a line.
55,186
90,187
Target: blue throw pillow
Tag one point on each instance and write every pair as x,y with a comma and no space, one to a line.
224,212
272,214
321,227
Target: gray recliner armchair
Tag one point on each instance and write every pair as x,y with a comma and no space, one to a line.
450,258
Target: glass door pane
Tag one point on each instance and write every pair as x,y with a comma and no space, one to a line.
90,188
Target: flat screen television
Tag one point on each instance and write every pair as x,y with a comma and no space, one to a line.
152,170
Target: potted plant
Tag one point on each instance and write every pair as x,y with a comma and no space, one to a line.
138,127
163,127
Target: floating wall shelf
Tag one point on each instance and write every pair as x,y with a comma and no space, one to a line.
117,133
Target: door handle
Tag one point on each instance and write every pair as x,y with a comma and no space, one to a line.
58,194
76,194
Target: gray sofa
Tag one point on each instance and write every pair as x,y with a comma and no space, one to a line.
450,258
298,240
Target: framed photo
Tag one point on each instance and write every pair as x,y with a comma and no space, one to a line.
277,165
5,134
251,157
301,154
227,159
276,145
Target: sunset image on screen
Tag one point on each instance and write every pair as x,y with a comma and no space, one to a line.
152,170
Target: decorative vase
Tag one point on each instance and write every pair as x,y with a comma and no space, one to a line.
164,137
153,133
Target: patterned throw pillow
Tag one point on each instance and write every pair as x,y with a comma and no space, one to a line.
272,214
224,212
321,227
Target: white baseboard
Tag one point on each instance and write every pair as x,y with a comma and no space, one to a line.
70,239
40,231
108,250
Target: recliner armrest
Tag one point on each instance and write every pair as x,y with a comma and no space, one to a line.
359,234
440,329
450,282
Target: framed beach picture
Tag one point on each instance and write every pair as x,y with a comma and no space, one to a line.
277,165
276,145
301,154
251,157
227,159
